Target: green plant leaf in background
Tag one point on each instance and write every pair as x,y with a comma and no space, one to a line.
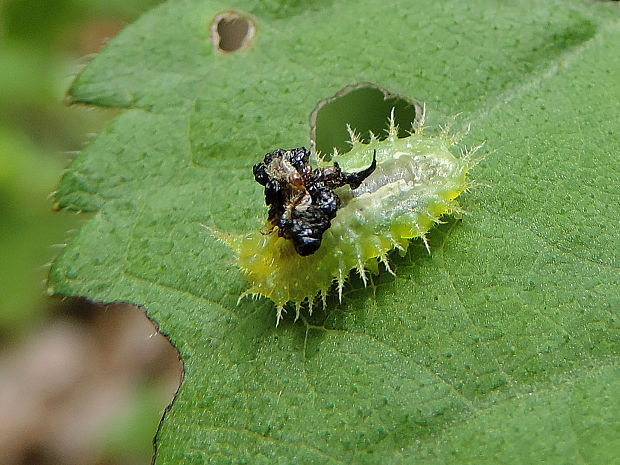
500,347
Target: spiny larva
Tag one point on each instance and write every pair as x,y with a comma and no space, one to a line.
326,220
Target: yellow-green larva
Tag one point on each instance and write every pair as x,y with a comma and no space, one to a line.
416,181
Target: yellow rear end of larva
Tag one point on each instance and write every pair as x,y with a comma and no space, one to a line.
416,181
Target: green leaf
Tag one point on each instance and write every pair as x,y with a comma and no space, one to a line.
500,347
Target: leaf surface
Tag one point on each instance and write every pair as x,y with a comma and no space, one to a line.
500,347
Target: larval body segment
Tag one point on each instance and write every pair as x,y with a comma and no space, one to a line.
416,181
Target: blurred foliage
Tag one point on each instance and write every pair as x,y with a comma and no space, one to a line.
27,229
41,42
131,437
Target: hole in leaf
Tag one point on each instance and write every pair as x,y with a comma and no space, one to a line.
231,32
365,107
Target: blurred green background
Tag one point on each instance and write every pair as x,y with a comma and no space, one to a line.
43,44
60,358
